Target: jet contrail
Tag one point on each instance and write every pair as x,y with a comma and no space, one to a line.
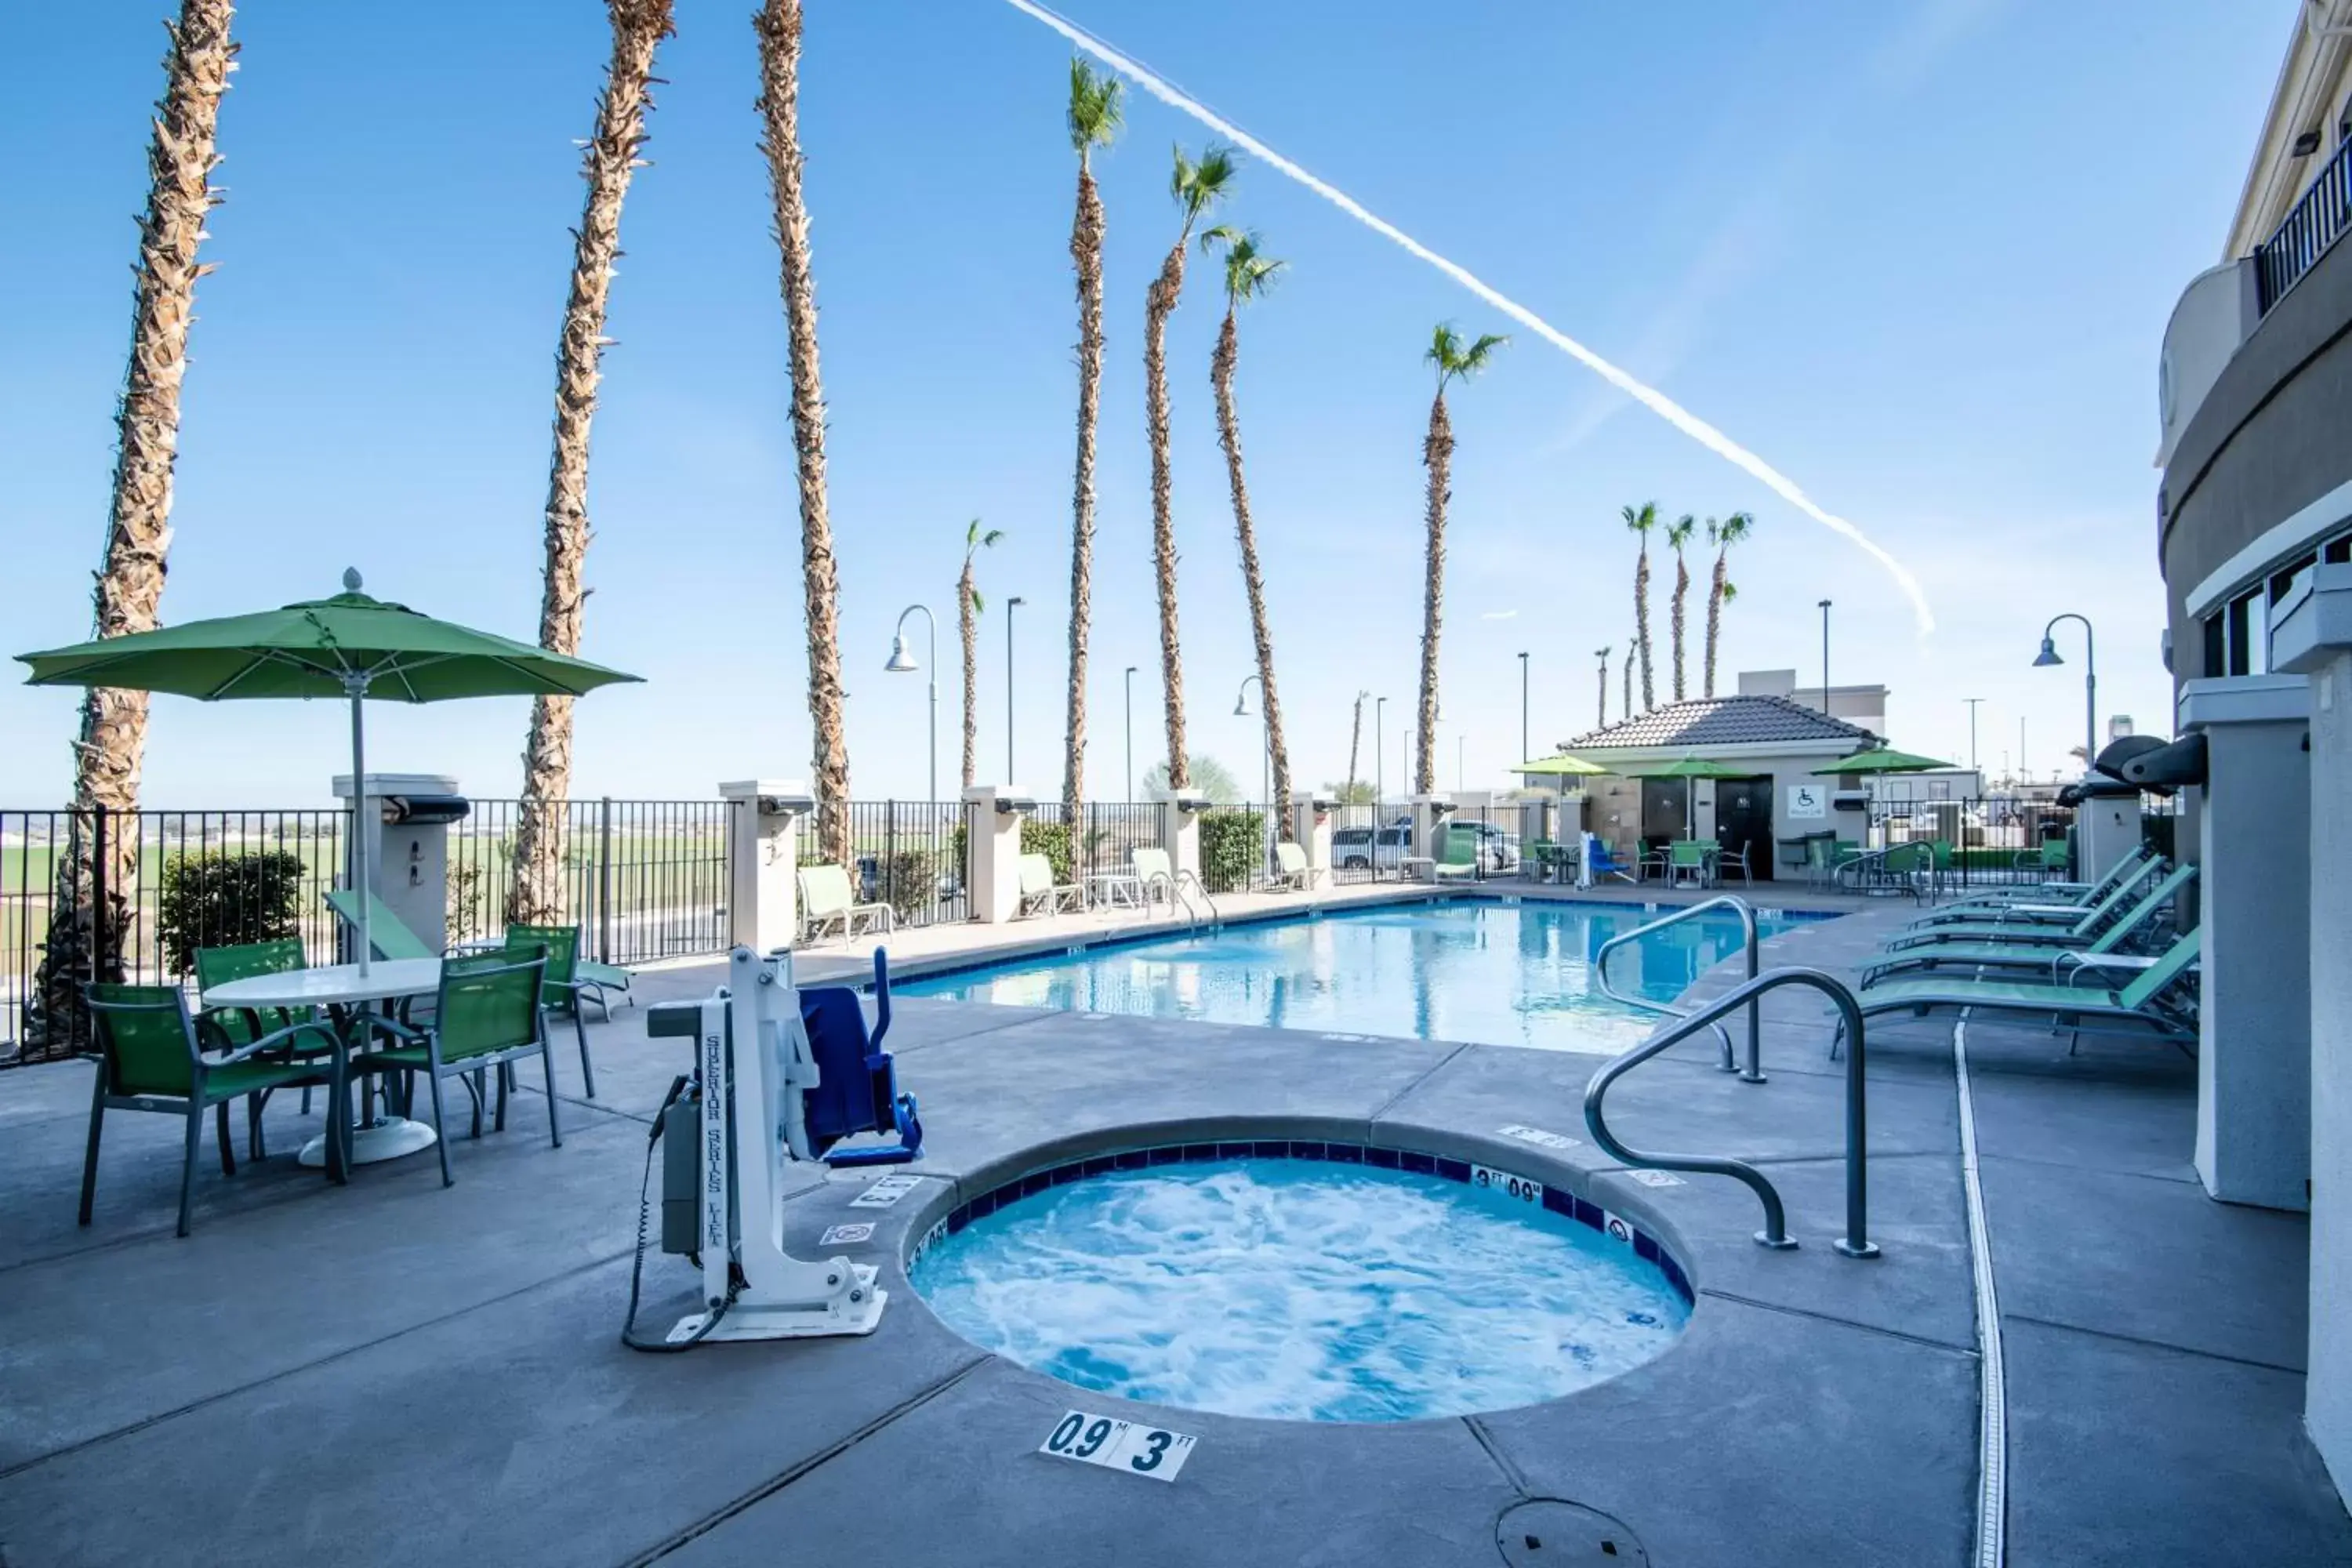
1657,402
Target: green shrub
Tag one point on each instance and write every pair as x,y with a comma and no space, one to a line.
223,901
1232,846
909,878
1051,839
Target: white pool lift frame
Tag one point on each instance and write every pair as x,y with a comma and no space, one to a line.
753,1056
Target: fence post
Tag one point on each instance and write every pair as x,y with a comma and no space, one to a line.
604,880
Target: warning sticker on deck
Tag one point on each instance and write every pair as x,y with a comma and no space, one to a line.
843,1234
1537,1135
885,1192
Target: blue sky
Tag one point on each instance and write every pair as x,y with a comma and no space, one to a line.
1918,256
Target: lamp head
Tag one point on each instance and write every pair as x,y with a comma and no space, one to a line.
902,658
2048,656
1241,706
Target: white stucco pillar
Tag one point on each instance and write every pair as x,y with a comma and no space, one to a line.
1310,829
993,817
1430,812
2107,828
2253,1059
2313,637
408,816
764,857
1180,829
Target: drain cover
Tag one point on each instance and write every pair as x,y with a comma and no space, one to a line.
1547,1532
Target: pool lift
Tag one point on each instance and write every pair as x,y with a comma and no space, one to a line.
781,1074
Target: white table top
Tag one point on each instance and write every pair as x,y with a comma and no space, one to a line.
333,982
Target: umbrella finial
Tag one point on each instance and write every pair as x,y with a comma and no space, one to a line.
350,579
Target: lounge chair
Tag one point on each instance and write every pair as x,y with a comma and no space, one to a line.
2031,948
2141,1002
1457,853
1295,875
825,899
153,1057
1986,919
388,939
1040,894
2082,895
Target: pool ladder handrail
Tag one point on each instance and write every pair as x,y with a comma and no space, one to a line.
1747,912
1178,895
1856,1242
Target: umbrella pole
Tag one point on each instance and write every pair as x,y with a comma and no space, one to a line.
357,687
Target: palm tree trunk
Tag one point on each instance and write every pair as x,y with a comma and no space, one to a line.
1437,454
1713,618
1601,719
1682,591
1159,302
111,741
1355,747
1641,629
779,28
639,29
1630,650
1229,435
1086,255
966,625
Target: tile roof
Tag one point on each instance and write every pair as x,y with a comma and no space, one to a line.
1722,722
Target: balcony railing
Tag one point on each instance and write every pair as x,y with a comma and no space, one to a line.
2318,220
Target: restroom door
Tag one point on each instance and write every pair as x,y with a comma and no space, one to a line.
1743,817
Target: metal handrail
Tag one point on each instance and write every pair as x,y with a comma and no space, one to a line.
1178,896
1188,878
1755,1073
1856,1242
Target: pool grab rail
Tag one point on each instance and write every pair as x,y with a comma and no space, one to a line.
1747,912
1856,1242
1181,888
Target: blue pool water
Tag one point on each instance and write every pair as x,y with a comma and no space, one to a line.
1300,1291
1505,975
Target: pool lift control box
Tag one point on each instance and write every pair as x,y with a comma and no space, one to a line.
728,1139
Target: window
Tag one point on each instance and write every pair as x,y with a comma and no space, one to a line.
2338,552
2217,644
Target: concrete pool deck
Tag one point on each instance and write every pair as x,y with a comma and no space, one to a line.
394,1372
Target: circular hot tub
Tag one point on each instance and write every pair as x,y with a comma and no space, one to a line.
1302,1281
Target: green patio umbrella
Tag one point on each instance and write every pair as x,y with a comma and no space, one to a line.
350,646
1563,764
1882,760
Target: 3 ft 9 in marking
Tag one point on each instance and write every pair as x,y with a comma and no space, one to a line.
1116,1445
1509,1186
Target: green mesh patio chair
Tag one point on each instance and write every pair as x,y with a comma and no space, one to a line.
152,1056
560,991
1686,858
243,1025
487,1014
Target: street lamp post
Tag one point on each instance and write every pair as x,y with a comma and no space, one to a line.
1011,604
1825,656
1130,734
902,662
1972,702
1265,736
1380,755
2049,655
1524,752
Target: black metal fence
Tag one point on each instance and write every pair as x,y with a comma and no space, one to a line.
1991,841
168,882
643,880
2314,222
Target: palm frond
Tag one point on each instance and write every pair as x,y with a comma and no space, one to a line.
1212,178
1679,532
1223,234
1095,112
978,604
1480,353
988,539
1641,519
1736,527
1180,174
1445,350
1730,591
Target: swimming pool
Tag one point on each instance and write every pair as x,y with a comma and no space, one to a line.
1497,974
1344,1284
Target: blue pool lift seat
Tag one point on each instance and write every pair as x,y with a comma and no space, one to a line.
858,1086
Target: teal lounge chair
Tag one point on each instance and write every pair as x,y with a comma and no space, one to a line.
1983,920
1457,853
2080,895
2143,1002
2030,949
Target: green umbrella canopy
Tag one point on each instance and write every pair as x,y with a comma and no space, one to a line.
323,648
1686,768
350,646
1882,760
1574,767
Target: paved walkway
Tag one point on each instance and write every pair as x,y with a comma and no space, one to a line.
394,1372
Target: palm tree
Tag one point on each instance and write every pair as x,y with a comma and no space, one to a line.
1093,120
1249,273
611,158
111,739
1196,187
1627,707
778,24
1723,536
968,608
1641,519
1601,720
1356,744
1452,362
1678,535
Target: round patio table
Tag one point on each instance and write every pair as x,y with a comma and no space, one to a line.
345,989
